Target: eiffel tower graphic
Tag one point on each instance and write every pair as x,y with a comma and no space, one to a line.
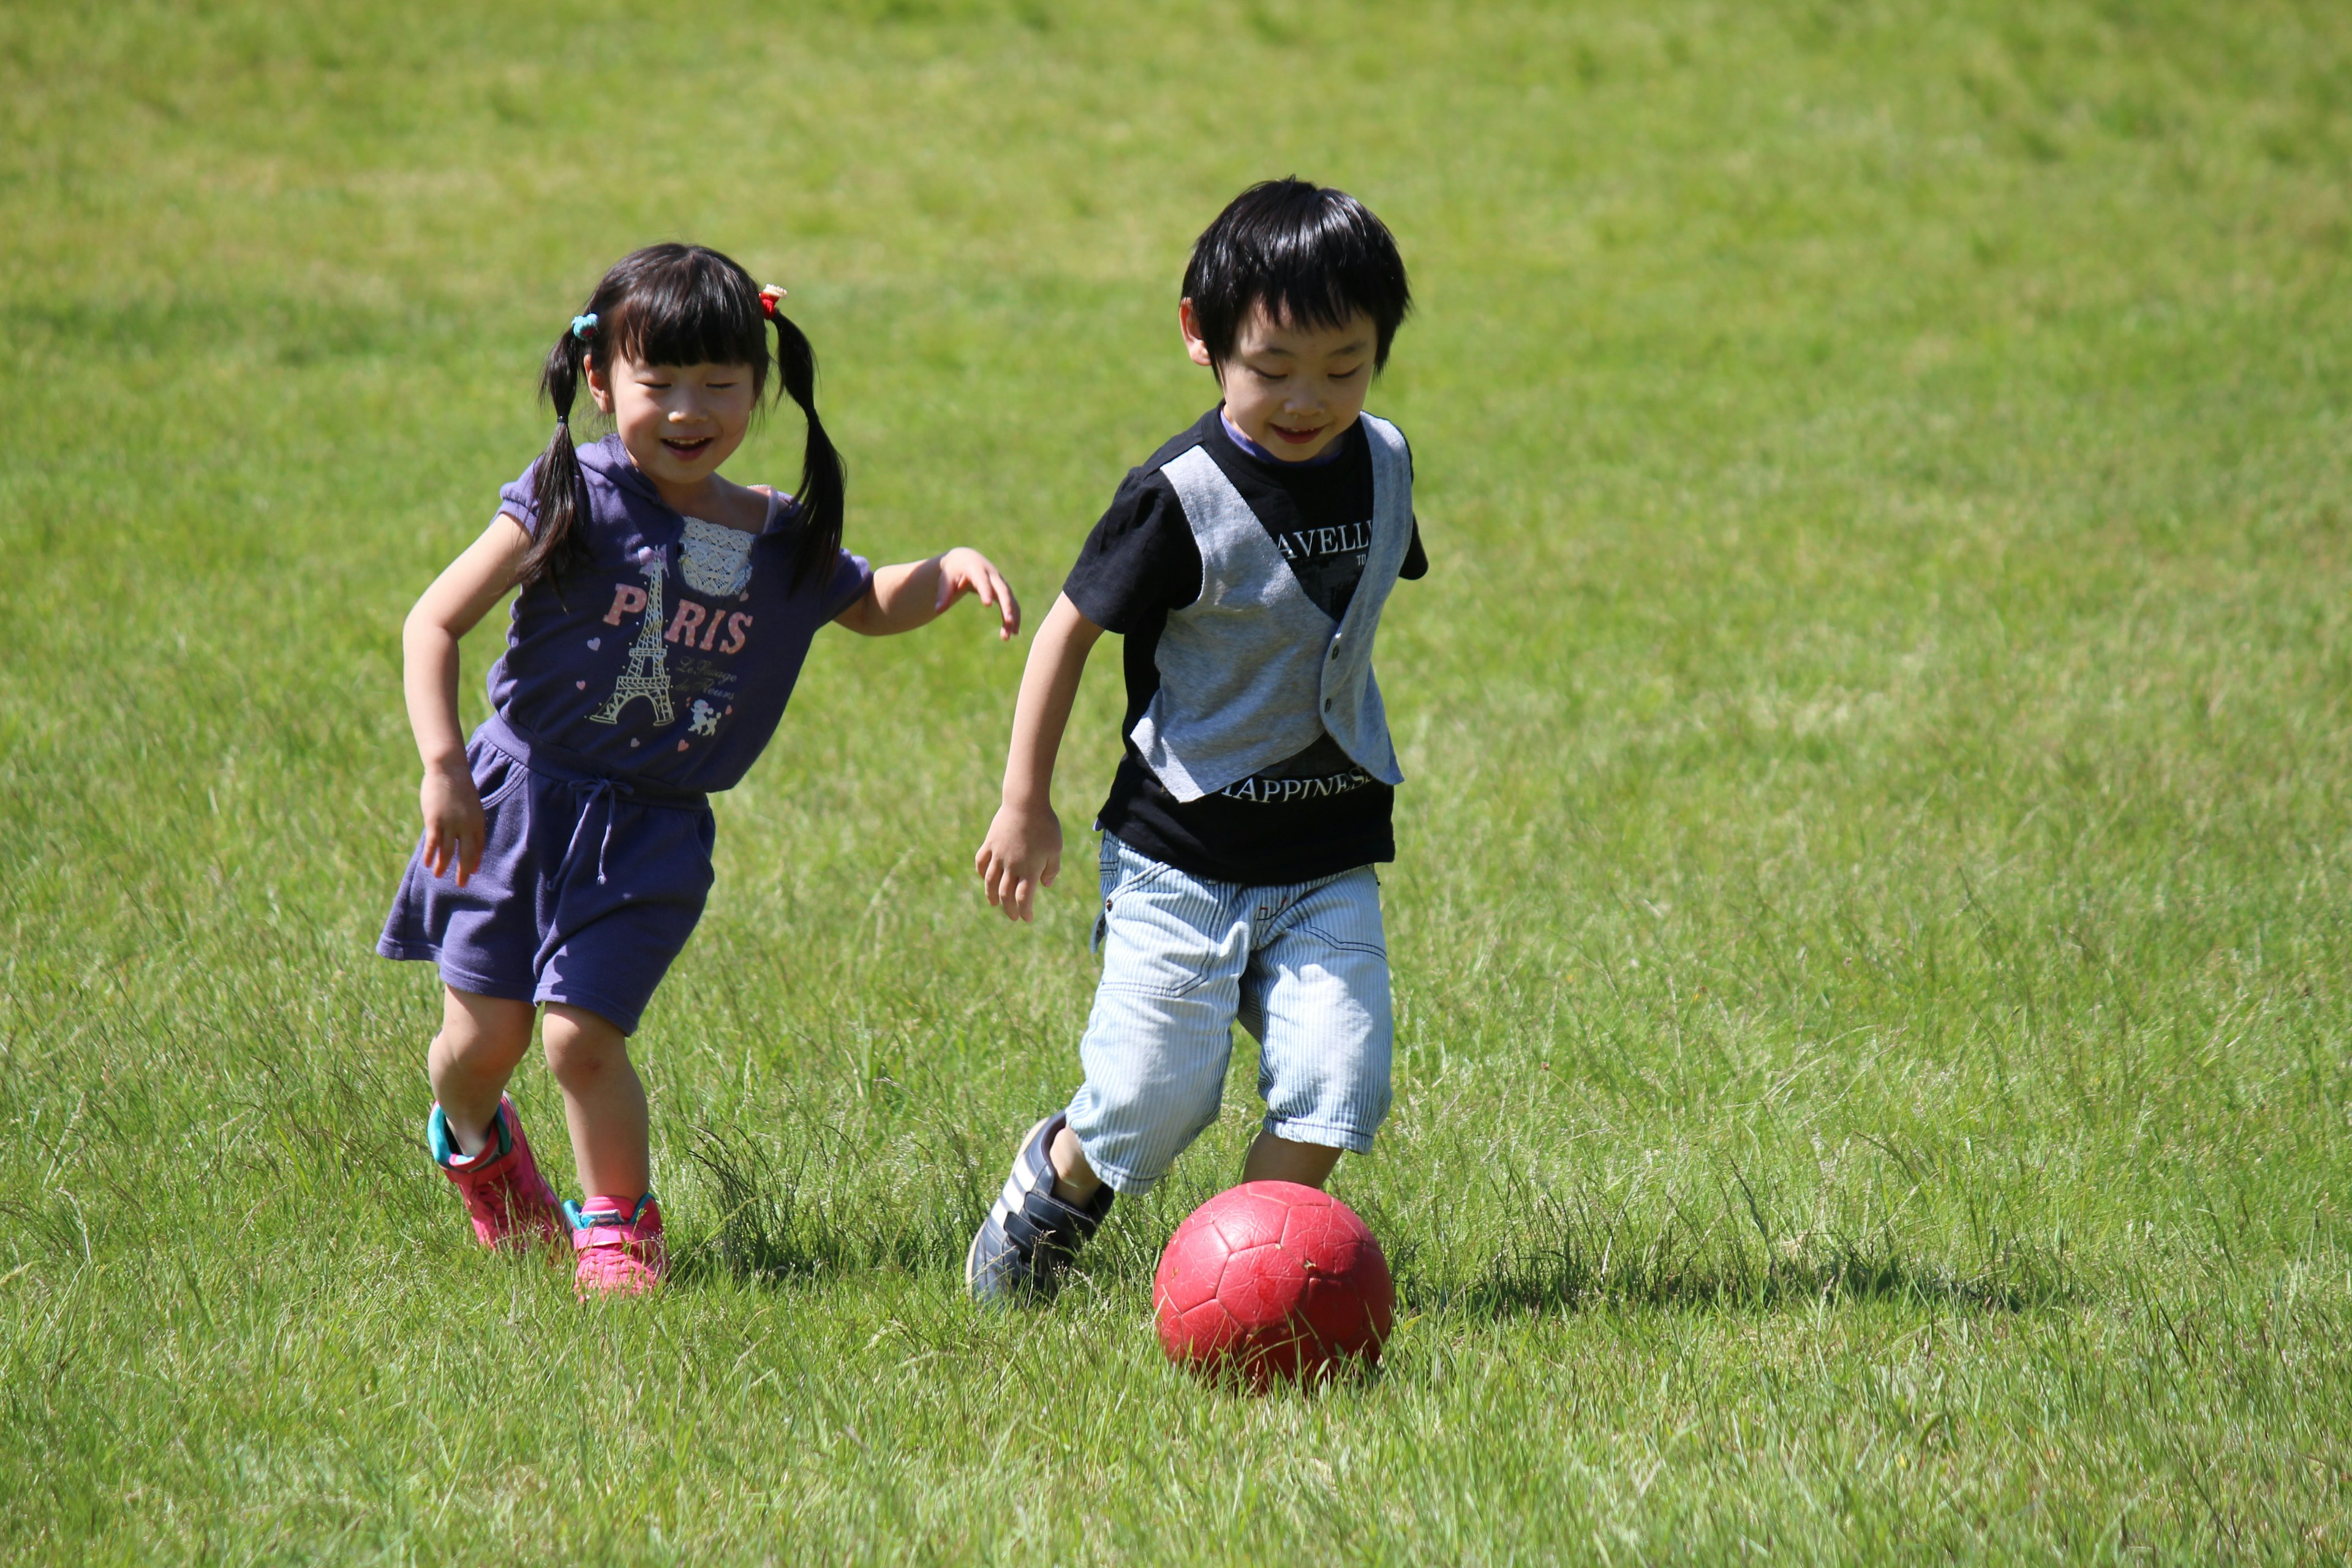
648,672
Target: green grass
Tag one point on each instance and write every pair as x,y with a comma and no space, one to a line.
1870,924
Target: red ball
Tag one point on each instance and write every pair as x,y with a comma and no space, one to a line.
1270,1280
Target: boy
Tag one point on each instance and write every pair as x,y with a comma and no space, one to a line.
1246,565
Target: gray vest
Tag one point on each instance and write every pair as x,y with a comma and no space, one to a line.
1253,672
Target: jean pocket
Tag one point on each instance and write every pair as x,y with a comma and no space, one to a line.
1123,871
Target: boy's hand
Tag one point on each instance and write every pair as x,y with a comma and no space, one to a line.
964,570
454,823
1022,853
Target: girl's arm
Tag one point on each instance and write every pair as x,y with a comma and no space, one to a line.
457,602
917,593
1023,851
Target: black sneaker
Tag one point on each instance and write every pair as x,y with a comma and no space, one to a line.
1030,1234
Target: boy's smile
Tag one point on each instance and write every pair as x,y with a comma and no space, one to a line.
677,422
1292,388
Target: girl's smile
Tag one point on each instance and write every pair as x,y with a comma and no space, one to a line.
677,422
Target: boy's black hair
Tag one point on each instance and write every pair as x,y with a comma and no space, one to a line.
1310,254
679,304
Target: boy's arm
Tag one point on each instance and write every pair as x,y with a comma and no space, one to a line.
915,593
1023,851
458,600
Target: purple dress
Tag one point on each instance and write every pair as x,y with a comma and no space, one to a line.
651,676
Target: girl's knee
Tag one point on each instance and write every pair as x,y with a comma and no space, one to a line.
581,1045
487,1034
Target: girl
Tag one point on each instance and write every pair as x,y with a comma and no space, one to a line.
664,616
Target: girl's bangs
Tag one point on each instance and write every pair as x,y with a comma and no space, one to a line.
693,313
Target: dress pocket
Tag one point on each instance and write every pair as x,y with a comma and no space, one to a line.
497,776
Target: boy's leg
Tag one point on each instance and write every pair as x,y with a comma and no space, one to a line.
1074,1181
1155,1053
1160,1037
1316,997
617,1232
1273,1159
1270,1159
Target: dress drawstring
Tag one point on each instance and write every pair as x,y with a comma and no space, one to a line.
588,791
589,785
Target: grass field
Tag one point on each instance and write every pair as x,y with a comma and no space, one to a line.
1870,923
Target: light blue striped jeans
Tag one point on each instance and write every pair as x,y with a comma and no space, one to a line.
1303,966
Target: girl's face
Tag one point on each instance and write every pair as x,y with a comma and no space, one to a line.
679,422
1292,389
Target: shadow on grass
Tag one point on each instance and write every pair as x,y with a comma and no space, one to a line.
1581,1251
781,1217
802,1217
765,1232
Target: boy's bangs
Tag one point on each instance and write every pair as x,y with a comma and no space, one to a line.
1316,263
1319,302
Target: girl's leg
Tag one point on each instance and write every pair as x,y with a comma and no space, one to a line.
616,1229
481,1041
476,1145
603,1100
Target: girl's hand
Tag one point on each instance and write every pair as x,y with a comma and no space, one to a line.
917,593
454,823
966,571
1022,853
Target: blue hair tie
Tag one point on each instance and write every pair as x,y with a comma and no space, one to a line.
584,325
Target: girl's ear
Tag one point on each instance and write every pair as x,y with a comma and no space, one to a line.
596,387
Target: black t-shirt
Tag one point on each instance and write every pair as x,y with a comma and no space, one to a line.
1316,813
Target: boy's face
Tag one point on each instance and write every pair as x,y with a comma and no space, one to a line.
1292,389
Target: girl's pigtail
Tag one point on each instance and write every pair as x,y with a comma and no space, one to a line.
558,491
823,480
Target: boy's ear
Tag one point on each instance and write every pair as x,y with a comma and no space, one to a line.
1194,343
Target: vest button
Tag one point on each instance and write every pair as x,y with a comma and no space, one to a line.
1327,705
